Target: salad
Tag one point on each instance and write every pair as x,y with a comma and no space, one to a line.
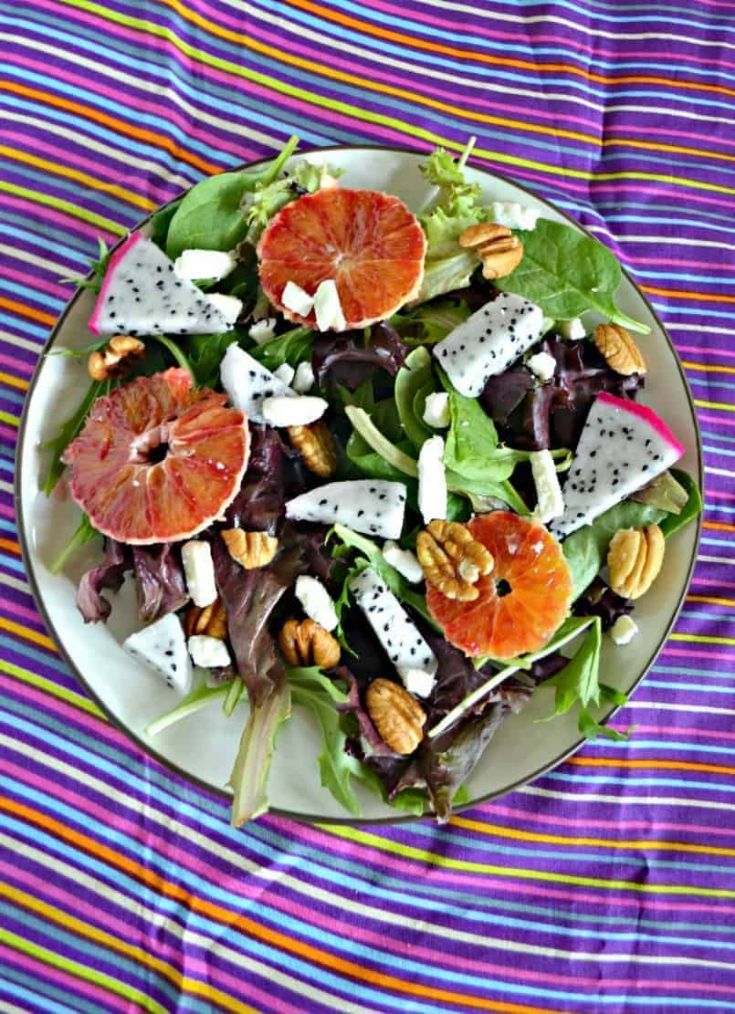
386,467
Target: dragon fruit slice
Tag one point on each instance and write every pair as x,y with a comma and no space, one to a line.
370,506
248,384
408,651
489,341
622,447
143,295
162,646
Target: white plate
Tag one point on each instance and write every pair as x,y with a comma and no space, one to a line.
203,746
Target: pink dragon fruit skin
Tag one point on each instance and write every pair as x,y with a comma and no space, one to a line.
622,447
145,296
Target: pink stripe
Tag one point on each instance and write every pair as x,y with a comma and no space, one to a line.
40,972
697,652
9,434
7,511
675,262
16,365
713,583
706,350
715,418
35,279
12,608
66,222
379,940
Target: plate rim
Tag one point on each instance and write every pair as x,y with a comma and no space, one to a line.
222,793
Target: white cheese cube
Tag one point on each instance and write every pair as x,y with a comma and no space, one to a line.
418,682
436,410
208,652
404,561
298,410
303,380
514,215
196,556
229,306
432,480
623,630
263,330
542,365
204,265
316,601
328,308
296,300
548,490
572,329
285,372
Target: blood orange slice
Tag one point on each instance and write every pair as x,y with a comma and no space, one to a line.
156,460
521,602
367,241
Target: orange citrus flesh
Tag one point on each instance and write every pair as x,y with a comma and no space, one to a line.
523,600
367,241
156,460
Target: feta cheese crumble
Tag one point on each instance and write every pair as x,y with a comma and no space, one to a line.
572,329
196,557
303,380
284,410
432,480
316,601
208,652
436,410
548,491
404,561
513,215
542,365
296,300
623,630
263,330
204,265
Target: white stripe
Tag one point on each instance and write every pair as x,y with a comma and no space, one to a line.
680,241
21,343
77,138
718,471
717,559
156,919
576,26
705,329
704,709
29,258
120,77
599,797
352,907
14,582
6,487
679,112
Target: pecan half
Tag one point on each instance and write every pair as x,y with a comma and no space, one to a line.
619,349
498,249
634,559
250,549
317,447
116,358
397,716
304,642
452,560
210,620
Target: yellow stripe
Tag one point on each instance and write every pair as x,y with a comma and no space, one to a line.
11,381
332,104
70,922
30,635
66,206
702,639
75,174
11,420
507,871
707,368
714,404
49,687
74,968
712,600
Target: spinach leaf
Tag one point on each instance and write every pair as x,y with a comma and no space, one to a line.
430,322
205,352
414,381
292,347
472,443
67,432
566,272
585,550
160,221
692,508
210,215
311,689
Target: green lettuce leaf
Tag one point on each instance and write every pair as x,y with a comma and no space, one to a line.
292,347
414,382
249,778
269,198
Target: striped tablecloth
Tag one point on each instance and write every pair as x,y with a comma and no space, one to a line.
608,884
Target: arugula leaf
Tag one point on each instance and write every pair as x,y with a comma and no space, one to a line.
591,728
205,352
252,765
67,432
578,681
414,381
311,689
96,267
292,347
566,272
585,550
194,701
691,509
82,534
210,216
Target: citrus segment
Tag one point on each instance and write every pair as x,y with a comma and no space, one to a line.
521,603
156,460
367,241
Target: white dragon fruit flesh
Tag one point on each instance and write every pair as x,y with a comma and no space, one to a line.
489,341
622,447
371,506
396,631
248,384
162,646
143,295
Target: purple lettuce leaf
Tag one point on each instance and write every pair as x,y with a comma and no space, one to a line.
349,360
109,574
354,706
160,584
259,504
600,600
